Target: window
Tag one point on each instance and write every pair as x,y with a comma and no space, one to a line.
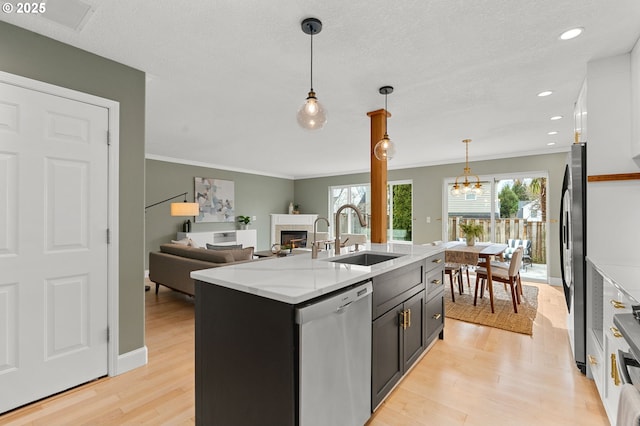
511,206
399,213
359,196
400,225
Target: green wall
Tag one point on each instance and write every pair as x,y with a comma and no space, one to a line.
427,193
40,58
255,195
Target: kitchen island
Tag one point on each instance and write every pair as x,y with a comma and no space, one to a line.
248,367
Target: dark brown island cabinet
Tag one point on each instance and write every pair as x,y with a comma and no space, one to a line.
408,314
246,346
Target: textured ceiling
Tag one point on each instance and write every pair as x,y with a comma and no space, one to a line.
225,78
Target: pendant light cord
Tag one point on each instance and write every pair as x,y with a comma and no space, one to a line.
385,114
311,31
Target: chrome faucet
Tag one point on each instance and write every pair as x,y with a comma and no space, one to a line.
363,223
314,248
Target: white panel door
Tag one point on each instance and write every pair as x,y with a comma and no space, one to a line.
53,245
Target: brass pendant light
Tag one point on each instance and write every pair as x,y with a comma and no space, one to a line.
466,186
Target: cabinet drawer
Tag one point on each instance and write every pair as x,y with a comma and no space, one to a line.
435,316
615,302
434,281
434,261
395,287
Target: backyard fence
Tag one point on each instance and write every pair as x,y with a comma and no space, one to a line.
520,229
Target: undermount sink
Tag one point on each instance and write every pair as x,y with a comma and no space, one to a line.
366,258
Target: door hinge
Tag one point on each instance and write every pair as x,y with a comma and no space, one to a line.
108,138
108,236
108,334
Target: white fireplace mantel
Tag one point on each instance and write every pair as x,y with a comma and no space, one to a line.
290,222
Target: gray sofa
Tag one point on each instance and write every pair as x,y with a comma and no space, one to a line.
173,264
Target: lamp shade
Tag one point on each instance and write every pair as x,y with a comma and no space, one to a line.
385,149
311,115
185,209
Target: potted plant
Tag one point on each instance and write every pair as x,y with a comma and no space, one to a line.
296,209
245,221
471,231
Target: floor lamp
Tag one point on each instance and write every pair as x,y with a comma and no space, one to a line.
183,209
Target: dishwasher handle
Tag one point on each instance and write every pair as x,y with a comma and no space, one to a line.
343,307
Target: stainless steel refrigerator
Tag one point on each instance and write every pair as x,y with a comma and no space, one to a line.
573,249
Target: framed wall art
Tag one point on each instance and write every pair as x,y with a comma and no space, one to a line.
215,198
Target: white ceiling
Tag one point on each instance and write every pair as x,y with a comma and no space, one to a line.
225,78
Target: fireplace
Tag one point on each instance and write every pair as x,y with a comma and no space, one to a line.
299,238
291,222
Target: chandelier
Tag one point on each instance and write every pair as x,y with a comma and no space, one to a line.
466,186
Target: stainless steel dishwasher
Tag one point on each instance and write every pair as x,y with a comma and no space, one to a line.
335,359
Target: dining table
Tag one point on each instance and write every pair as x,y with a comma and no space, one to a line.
462,253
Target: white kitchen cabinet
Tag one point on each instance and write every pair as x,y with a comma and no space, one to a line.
610,117
612,206
635,101
580,115
606,298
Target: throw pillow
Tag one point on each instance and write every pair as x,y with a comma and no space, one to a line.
185,242
242,254
228,247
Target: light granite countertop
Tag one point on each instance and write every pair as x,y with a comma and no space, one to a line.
625,277
299,278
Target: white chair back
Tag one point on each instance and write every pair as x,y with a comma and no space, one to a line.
516,262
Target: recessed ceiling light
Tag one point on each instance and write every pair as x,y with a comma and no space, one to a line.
545,93
552,133
556,117
551,143
572,33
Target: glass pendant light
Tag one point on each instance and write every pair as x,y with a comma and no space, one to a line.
311,115
385,149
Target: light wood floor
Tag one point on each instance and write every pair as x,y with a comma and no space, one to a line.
475,376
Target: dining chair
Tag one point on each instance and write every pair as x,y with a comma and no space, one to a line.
454,272
509,276
506,264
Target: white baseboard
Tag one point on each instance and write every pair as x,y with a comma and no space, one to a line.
557,281
131,360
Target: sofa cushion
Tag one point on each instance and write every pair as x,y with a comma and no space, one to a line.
215,256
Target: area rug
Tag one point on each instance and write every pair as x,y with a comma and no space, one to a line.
504,317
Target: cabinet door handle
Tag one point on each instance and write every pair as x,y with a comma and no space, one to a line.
408,317
616,333
437,316
403,320
614,370
436,281
617,304
437,260
592,360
